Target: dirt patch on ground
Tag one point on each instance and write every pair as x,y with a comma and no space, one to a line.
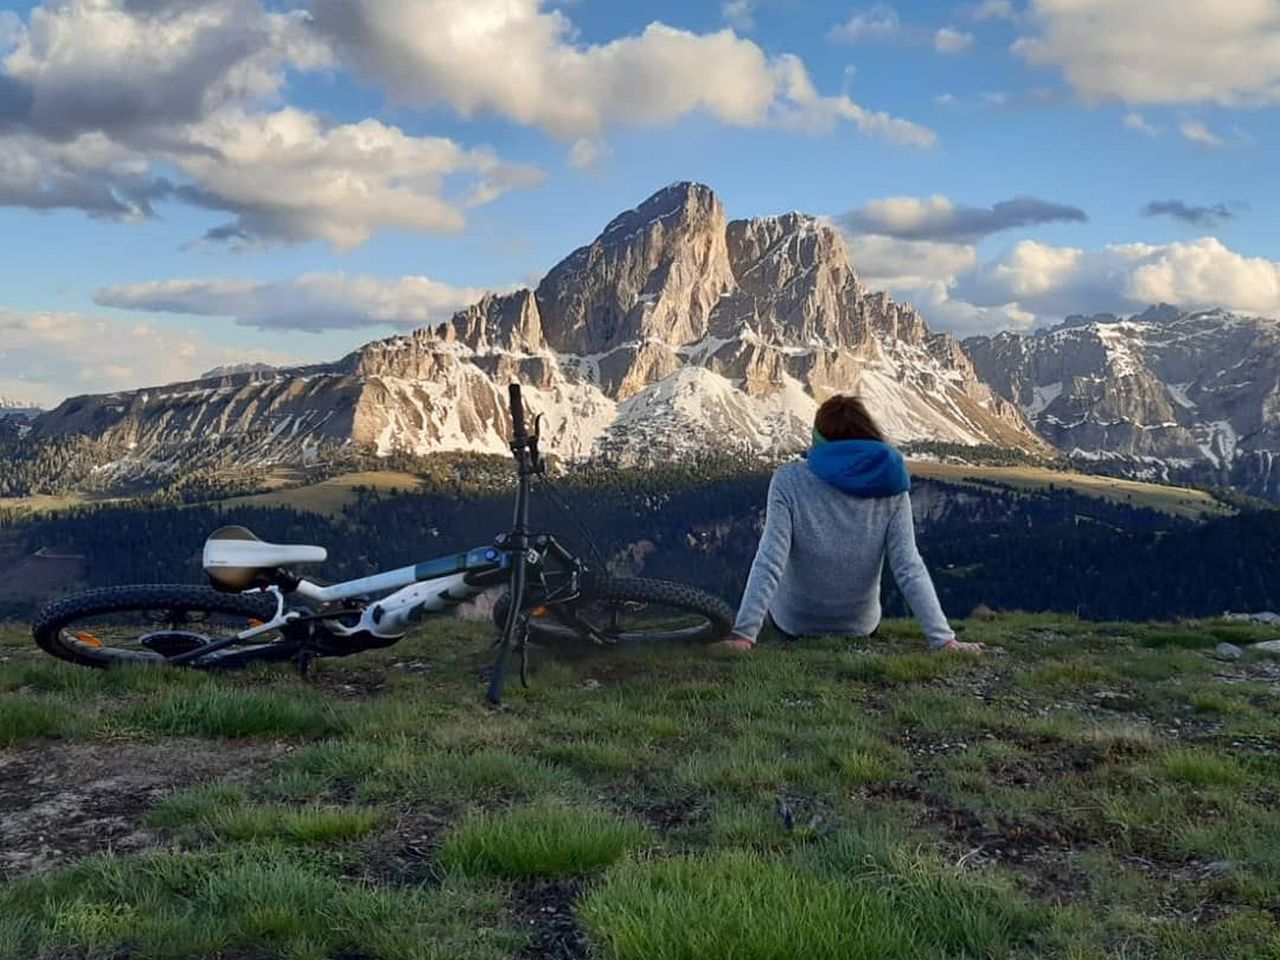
405,855
1041,852
1005,840
545,911
667,816
60,802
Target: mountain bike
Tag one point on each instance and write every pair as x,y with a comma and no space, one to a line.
256,608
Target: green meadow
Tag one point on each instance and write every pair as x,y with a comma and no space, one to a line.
1083,791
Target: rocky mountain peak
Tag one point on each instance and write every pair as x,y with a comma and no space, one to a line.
673,333
1159,313
1073,321
654,273
795,275
234,369
1193,397
683,203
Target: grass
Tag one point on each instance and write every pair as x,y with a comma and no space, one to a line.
46,503
739,904
221,810
194,806
1177,501
1199,768
742,904
329,496
901,668
309,824
25,719
542,841
218,711
1083,791
259,899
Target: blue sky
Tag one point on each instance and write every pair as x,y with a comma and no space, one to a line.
1029,99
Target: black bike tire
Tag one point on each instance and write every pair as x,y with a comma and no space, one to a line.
143,597
642,590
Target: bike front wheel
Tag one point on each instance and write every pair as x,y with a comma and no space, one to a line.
628,610
151,623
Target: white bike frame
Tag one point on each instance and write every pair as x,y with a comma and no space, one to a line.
425,588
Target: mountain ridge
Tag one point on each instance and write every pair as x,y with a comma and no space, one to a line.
674,332
1187,396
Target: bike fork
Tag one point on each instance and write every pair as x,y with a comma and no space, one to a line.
525,448
515,634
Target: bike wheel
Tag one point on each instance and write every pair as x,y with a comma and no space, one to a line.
149,624
629,610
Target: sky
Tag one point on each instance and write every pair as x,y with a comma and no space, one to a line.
191,183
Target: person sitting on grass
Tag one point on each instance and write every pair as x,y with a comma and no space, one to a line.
829,524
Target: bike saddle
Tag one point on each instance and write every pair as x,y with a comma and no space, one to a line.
235,559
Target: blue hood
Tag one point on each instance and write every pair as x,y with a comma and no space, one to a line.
864,468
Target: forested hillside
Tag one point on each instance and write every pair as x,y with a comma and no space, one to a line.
1051,549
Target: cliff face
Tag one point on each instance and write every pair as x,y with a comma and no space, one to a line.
1187,396
675,332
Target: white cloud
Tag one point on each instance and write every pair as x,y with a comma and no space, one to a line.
1052,282
44,357
588,153
739,14
1205,273
908,264
115,107
1033,283
1152,51
806,110
518,60
338,184
875,23
1198,132
11,30
89,172
118,65
100,100
1040,278
310,302
1136,121
993,10
923,272
947,40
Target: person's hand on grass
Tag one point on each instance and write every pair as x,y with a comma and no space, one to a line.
737,642
959,646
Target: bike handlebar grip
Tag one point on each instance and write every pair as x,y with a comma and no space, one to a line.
517,412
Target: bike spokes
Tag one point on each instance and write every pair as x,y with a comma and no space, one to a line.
149,635
624,621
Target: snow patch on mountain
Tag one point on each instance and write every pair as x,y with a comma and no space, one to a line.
1195,394
1042,398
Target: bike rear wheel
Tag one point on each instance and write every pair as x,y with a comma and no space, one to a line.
629,610
150,623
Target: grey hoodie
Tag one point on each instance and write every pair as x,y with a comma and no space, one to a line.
817,569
